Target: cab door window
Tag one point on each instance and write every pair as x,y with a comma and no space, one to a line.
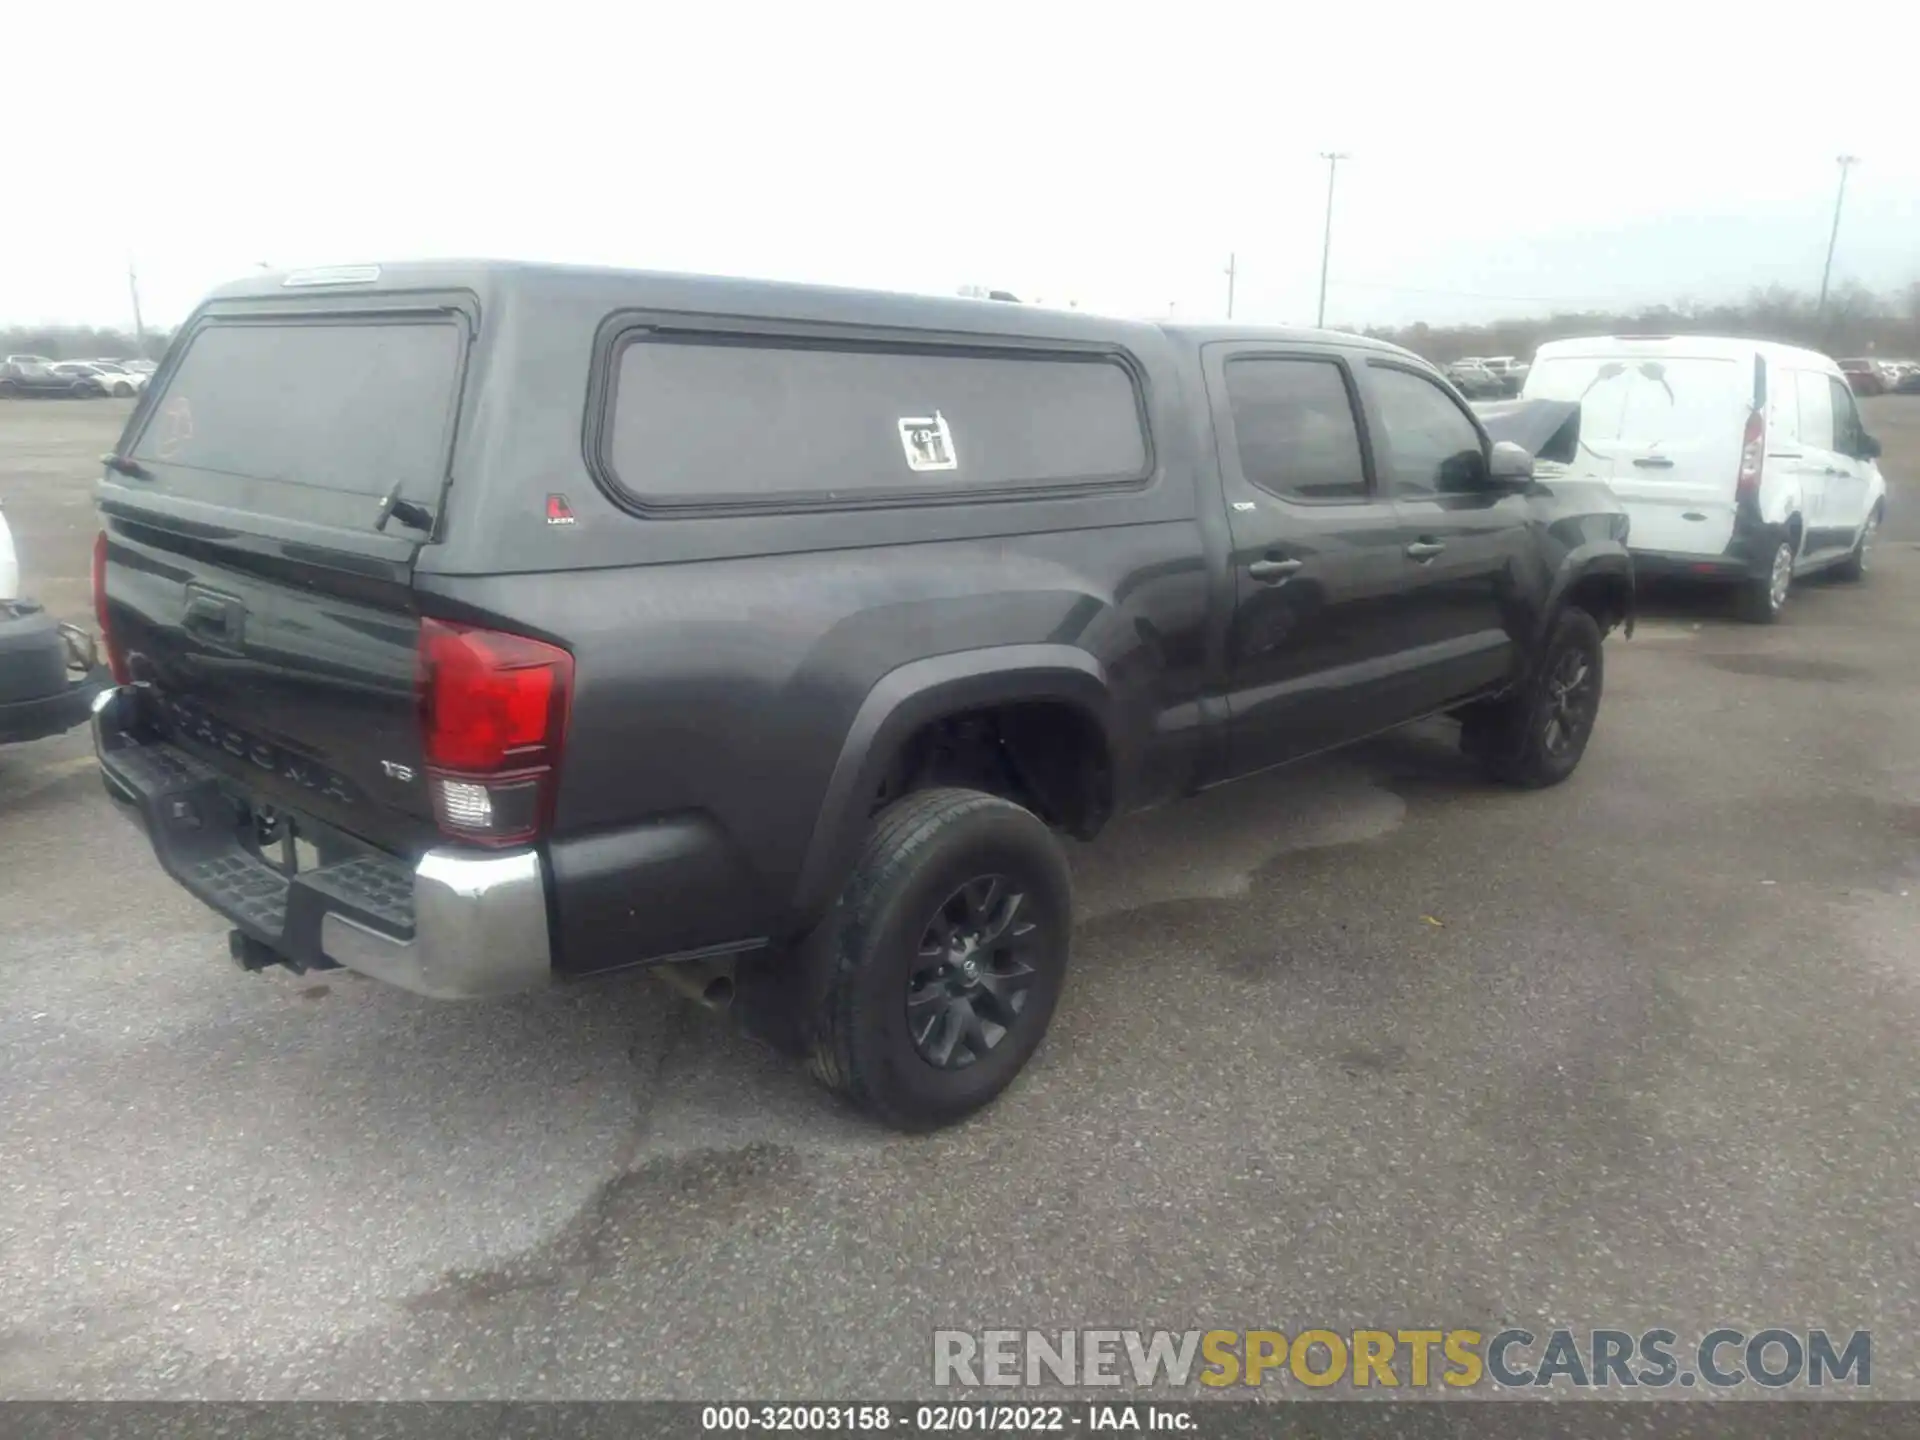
1294,429
1432,448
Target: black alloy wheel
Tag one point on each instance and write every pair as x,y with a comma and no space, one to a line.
975,969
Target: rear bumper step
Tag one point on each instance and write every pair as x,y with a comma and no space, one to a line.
455,925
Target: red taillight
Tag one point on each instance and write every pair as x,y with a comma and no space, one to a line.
493,716
116,662
1753,451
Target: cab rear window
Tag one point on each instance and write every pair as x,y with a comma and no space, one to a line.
773,423
315,420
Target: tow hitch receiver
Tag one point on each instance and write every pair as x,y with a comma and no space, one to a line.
254,955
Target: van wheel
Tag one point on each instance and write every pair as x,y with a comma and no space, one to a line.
937,973
1764,596
1854,567
1535,738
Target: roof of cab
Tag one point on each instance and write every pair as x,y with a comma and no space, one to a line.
716,294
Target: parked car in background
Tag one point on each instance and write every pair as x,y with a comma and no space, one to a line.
49,672
1864,377
1908,382
88,381
1511,372
47,378
27,360
1476,381
140,367
119,379
530,722
1737,461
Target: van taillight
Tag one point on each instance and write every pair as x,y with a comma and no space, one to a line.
493,716
116,661
1753,451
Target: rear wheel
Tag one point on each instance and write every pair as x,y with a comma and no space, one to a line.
1764,596
9,387
936,976
123,390
1535,738
1854,567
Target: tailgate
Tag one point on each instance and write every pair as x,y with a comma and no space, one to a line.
257,586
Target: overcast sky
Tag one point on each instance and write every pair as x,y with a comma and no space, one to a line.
1505,159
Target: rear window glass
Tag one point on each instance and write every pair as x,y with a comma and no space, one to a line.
1644,399
708,421
314,409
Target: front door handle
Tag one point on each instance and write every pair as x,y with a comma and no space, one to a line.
1424,550
1270,572
1653,462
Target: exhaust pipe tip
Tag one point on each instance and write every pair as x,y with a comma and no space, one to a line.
707,983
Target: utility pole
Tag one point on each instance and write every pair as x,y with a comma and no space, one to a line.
139,327
1230,269
1333,159
1846,162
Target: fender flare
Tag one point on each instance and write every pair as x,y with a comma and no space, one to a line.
1595,558
913,695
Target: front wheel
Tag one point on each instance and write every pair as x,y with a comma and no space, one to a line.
1536,737
938,971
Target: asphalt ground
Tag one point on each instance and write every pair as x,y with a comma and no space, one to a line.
1366,1043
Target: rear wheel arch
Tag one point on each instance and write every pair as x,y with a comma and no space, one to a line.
1044,710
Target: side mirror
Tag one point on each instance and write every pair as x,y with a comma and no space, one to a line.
1869,447
1510,465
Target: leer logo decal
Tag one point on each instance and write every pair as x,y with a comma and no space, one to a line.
928,442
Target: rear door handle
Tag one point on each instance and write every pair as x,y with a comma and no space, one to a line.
1272,571
1424,550
1653,462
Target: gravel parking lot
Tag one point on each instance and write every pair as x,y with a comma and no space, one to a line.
1364,1043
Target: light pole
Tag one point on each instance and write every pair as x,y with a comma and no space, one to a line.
1230,270
1333,159
133,289
1846,162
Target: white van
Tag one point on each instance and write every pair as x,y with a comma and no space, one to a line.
1737,461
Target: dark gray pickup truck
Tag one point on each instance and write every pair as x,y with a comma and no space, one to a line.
482,626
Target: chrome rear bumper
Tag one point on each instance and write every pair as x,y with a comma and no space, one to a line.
455,925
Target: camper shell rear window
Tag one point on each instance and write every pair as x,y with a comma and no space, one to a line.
312,419
765,422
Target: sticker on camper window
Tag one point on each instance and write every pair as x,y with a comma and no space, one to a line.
928,442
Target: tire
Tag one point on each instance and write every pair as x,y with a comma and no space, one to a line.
1854,567
924,883
1765,596
1535,738
9,388
122,390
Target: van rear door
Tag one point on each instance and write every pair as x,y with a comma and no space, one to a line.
261,531
1664,428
